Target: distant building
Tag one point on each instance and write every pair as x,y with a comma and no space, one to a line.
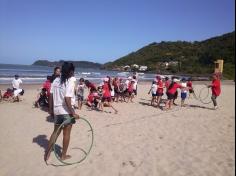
135,66
127,67
143,68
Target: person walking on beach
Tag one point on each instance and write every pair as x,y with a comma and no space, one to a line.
62,91
215,88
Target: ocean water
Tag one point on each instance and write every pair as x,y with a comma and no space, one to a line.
37,74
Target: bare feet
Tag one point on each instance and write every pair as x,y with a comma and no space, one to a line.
47,155
175,104
65,157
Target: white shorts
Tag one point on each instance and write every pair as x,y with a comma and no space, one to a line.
17,91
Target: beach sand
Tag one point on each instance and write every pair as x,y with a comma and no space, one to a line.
138,141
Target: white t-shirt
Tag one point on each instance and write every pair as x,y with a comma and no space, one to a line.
60,91
127,82
184,87
16,83
80,89
135,84
74,81
154,88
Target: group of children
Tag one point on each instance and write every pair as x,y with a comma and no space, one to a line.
108,91
162,85
171,90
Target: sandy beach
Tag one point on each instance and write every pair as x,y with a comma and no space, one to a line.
138,141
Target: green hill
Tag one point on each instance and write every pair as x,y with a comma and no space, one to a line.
192,57
81,64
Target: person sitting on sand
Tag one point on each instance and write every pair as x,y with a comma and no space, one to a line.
62,91
42,99
47,85
8,95
91,87
215,88
91,99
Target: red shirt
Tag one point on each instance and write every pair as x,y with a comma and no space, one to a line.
90,98
167,84
47,86
215,87
174,88
130,88
7,94
106,90
160,86
189,84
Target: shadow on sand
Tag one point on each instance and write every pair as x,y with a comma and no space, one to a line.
42,141
202,107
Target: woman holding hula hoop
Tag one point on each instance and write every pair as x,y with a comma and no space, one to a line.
215,88
62,91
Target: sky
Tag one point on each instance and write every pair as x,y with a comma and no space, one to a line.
104,30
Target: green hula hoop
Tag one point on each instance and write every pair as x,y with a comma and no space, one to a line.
64,163
202,100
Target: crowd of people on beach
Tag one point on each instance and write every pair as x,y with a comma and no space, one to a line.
61,94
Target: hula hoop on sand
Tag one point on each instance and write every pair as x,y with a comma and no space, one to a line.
64,163
205,99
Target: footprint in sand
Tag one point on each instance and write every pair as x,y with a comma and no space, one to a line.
132,163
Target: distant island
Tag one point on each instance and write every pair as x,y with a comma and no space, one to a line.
81,64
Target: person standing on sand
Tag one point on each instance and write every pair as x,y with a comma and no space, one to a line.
56,73
80,92
62,91
171,93
16,88
215,88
